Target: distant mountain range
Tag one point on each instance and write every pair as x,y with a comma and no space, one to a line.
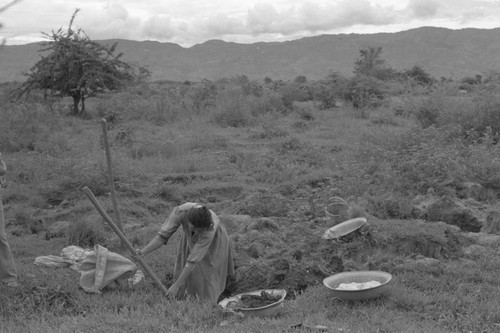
441,52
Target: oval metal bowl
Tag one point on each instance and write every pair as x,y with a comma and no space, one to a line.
332,282
269,310
344,228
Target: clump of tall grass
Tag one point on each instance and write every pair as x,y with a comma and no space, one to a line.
28,125
26,220
86,232
32,301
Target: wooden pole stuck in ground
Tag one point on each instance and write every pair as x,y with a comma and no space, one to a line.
124,239
111,177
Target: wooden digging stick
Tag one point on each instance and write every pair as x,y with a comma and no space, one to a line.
124,239
111,178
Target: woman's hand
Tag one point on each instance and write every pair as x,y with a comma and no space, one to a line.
173,291
137,253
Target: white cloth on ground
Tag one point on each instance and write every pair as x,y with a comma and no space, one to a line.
98,268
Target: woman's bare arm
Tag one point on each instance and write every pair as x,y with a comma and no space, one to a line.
153,245
186,271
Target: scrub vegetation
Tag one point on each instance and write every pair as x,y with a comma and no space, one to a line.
266,156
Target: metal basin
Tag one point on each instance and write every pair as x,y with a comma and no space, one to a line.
269,310
344,228
332,282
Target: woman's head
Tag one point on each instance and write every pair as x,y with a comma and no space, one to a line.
200,217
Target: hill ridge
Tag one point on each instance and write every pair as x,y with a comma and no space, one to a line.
440,51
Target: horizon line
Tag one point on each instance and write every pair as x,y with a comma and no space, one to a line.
6,40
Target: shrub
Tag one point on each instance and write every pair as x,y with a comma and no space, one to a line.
427,113
429,162
305,111
166,109
363,91
328,91
267,103
436,109
473,115
485,117
418,76
416,160
294,92
197,98
231,109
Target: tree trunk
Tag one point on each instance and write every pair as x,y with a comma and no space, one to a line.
76,101
83,104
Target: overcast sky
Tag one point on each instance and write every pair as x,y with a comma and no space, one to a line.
189,22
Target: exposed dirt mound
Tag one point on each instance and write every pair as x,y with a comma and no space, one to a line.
279,253
414,237
284,273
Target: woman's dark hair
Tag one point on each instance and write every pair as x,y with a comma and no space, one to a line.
200,217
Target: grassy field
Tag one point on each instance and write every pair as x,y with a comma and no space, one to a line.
245,155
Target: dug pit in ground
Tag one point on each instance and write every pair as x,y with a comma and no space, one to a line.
279,253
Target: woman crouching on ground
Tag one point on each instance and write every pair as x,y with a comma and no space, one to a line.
204,258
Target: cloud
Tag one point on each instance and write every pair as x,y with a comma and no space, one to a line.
219,25
473,10
263,18
116,12
109,21
160,27
311,16
424,8
194,21
459,11
353,12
